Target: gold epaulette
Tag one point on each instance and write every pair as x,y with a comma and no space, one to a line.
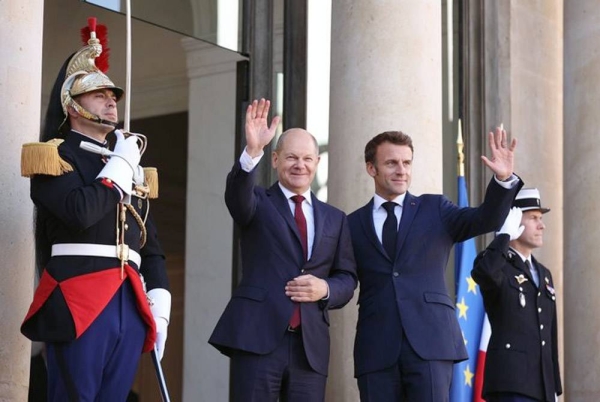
151,176
43,158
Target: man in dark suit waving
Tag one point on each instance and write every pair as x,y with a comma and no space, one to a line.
408,336
297,263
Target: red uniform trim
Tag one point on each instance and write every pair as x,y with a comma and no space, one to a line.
87,295
143,308
43,291
107,182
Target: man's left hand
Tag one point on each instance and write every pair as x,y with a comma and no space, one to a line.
306,288
502,158
161,311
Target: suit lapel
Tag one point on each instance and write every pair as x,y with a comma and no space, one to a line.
366,219
282,206
319,215
409,211
518,262
543,275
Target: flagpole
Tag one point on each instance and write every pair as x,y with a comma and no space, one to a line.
127,117
469,304
460,145
162,384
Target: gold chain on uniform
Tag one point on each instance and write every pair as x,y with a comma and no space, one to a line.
140,222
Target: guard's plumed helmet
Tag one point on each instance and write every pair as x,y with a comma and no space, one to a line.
85,73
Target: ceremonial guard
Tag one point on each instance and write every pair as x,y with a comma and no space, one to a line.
103,296
519,297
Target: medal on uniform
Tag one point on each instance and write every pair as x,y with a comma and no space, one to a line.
522,299
521,278
551,291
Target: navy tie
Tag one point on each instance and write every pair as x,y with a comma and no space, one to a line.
389,234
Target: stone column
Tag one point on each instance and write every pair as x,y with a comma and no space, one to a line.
513,80
209,228
522,89
582,186
385,75
534,94
21,24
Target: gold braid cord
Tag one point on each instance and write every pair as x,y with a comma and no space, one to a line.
140,222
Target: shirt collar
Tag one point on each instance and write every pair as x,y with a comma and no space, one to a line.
378,200
104,144
288,194
523,258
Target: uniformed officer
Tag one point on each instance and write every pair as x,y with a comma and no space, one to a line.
94,239
519,297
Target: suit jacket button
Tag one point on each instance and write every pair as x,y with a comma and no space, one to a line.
542,326
301,271
539,309
507,346
396,274
543,343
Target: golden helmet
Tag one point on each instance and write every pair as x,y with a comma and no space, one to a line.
82,74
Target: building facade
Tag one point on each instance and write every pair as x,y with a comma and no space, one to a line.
417,66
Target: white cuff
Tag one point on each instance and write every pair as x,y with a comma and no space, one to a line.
249,163
508,183
160,303
327,295
120,173
138,175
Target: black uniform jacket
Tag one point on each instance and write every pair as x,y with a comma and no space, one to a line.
522,355
78,208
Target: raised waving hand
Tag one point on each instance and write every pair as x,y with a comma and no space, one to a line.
501,161
258,132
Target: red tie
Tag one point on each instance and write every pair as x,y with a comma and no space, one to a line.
301,223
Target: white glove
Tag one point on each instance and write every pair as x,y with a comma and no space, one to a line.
123,163
128,149
512,224
138,176
161,311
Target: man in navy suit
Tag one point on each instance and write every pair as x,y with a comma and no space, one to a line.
297,263
407,335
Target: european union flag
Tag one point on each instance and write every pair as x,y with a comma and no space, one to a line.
469,310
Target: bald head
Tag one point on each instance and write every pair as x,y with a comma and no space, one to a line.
295,132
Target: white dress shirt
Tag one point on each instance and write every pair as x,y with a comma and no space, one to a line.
380,214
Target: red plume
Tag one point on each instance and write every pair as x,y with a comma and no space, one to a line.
102,35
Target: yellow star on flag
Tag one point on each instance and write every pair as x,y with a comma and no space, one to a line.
468,376
472,285
462,307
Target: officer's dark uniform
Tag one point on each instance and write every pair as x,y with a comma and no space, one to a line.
522,355
91,308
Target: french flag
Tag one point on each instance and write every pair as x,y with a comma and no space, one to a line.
486,331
